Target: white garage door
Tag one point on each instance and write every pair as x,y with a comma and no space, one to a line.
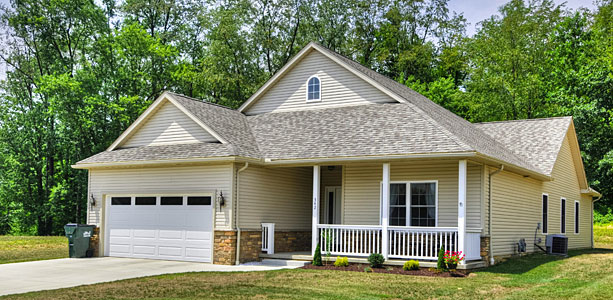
160,227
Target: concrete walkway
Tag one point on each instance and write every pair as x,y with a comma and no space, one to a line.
61,273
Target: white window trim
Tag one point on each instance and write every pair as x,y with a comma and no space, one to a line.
543,224
577,209
563,229
408,215
306,93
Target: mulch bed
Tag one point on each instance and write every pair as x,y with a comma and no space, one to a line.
390,270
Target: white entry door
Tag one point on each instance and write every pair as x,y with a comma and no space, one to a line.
160,227
332,205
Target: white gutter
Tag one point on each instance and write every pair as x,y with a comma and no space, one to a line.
489,211
238,229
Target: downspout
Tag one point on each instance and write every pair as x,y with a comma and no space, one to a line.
238,229
489,211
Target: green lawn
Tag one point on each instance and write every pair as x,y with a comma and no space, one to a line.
585,274
27,248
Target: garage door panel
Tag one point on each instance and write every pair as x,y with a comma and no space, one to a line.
144,250
175,232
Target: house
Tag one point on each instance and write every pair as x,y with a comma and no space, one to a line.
329,152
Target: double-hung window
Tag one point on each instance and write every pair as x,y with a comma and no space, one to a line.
576,217
413,204
545,208
563,216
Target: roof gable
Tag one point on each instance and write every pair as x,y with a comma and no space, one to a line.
165,122
311,53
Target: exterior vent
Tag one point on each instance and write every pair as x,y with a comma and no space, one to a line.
557,244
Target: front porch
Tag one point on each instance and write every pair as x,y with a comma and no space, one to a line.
406,200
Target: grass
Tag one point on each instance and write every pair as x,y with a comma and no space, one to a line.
27,248
586,274
603,236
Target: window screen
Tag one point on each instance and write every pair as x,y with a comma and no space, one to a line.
145,201
563,216
199,200
171,201
545,209
121,201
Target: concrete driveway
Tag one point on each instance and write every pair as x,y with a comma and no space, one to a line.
68,272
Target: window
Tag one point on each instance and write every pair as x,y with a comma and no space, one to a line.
171,201
200,200
563,216
423,204
545,209
398,204
576,217
144,201
313,89
420,210
121,201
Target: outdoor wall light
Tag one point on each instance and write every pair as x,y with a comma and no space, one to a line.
92,200
222,200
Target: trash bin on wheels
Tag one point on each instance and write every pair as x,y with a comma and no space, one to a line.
78,239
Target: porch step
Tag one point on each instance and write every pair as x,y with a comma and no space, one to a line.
284,262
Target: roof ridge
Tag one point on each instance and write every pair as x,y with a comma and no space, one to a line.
523,120
200,100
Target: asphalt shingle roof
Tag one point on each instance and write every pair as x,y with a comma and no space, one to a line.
538,140
417,126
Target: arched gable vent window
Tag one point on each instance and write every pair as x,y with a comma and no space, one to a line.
313,89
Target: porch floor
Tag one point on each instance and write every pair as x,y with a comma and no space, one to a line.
305,255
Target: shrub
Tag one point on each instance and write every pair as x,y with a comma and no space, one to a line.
440,264
341,262
376,260
368,269
411,265
317,257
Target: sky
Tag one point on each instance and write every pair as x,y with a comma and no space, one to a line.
477,10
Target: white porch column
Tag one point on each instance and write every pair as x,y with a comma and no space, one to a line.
385,199
462,207
315,222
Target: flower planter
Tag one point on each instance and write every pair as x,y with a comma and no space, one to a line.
452,266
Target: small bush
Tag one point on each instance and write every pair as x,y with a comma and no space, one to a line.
411,265
376,260
341,262
368,269
440,264
317,257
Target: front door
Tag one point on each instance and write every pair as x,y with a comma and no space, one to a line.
332,205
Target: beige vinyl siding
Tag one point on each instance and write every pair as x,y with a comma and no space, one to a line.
168,125
339,87
176,180
362,190
566,184
517,206
276,195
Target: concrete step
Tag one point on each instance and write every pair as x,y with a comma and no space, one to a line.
284,262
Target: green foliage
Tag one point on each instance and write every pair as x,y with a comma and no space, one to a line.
317,257
440,262
341,262
603,219
376,260
368,269
80,72
411,265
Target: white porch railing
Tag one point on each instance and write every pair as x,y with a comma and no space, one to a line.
404,242
420,242
354,240
268,238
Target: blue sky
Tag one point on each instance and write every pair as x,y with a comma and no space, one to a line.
478,10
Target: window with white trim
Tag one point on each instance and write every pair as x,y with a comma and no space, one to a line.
576,217
545,207
313,89
562,215
413,201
